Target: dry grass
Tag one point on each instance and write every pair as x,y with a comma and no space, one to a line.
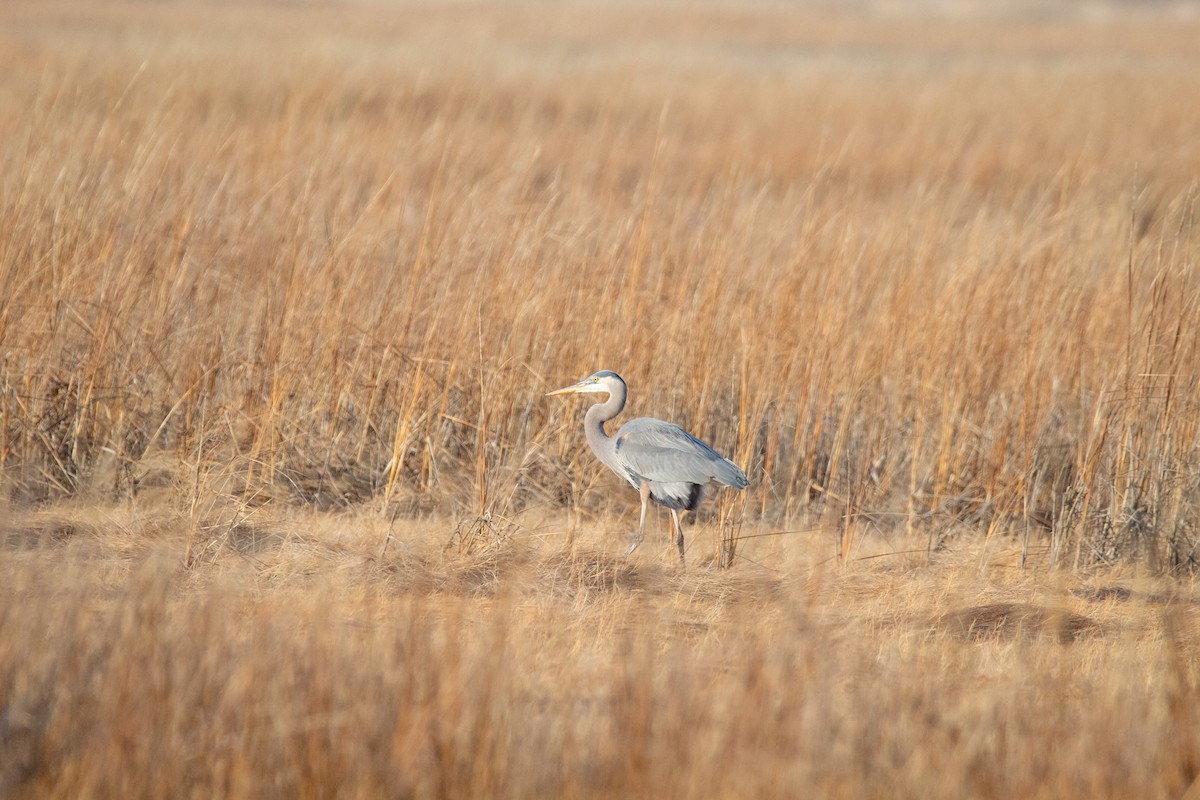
296,659
283,508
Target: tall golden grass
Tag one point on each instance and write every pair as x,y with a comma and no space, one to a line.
286,511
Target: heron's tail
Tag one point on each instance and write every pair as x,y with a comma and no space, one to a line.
731,474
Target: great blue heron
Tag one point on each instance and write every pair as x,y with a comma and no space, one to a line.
661,460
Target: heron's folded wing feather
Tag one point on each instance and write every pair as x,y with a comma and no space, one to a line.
664,452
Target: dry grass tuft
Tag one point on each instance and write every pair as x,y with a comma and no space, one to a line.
1009,620
45,531
582,572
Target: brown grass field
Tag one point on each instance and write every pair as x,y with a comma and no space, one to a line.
285,513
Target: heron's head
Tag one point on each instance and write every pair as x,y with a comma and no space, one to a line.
603,381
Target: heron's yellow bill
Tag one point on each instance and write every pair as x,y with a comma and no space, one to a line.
592,383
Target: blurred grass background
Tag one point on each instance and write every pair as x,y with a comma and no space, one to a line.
284,511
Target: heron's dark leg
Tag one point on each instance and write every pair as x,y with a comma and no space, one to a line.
678,534
644,491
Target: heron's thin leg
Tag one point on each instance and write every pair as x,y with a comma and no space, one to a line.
644,491
678,534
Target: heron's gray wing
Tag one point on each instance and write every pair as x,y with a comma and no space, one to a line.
663,452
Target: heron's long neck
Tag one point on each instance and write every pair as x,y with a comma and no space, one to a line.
593,425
